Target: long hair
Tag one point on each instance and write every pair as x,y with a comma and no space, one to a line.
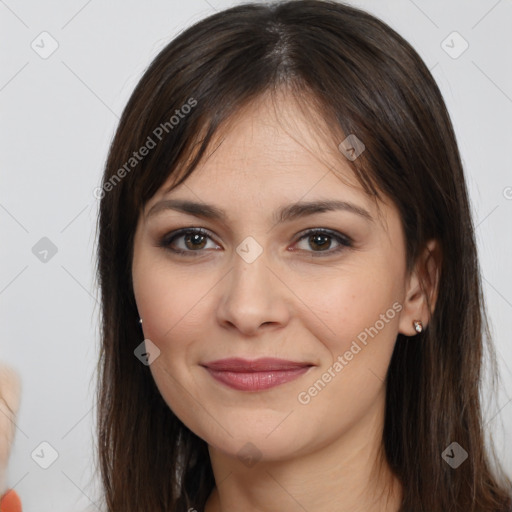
364,79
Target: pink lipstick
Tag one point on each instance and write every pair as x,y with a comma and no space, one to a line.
255,375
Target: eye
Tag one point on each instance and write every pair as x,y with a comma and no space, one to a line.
188,240
322,239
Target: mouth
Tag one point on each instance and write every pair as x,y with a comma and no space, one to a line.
255,375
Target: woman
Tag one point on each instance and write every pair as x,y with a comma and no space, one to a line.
292,308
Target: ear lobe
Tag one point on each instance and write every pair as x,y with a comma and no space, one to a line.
422,289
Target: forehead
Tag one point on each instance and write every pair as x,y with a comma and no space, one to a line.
271,149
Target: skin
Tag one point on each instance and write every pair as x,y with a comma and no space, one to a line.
303,305
10,390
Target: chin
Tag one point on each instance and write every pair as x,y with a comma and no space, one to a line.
262,442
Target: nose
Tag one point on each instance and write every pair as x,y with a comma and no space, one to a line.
253,297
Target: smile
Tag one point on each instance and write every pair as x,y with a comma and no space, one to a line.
257,375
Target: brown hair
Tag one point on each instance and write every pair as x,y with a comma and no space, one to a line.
365,80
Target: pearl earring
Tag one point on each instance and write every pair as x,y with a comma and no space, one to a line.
418,326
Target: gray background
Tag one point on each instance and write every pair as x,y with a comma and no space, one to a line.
58,116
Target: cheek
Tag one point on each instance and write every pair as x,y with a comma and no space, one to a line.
172,306
170,302
357,325
361,305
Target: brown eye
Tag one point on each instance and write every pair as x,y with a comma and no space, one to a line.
187,241
194,241
321,241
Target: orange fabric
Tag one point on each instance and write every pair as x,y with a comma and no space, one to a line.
10,502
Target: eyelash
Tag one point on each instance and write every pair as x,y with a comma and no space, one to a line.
343,240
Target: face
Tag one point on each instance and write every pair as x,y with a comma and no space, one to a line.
321,288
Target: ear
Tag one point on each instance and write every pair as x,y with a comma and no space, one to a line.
422,287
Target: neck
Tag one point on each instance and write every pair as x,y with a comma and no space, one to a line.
349,474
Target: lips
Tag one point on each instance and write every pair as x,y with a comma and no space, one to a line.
238,364
255,375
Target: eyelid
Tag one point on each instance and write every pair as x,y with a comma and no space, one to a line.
326,231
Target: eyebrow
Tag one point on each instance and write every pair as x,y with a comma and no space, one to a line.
284,214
